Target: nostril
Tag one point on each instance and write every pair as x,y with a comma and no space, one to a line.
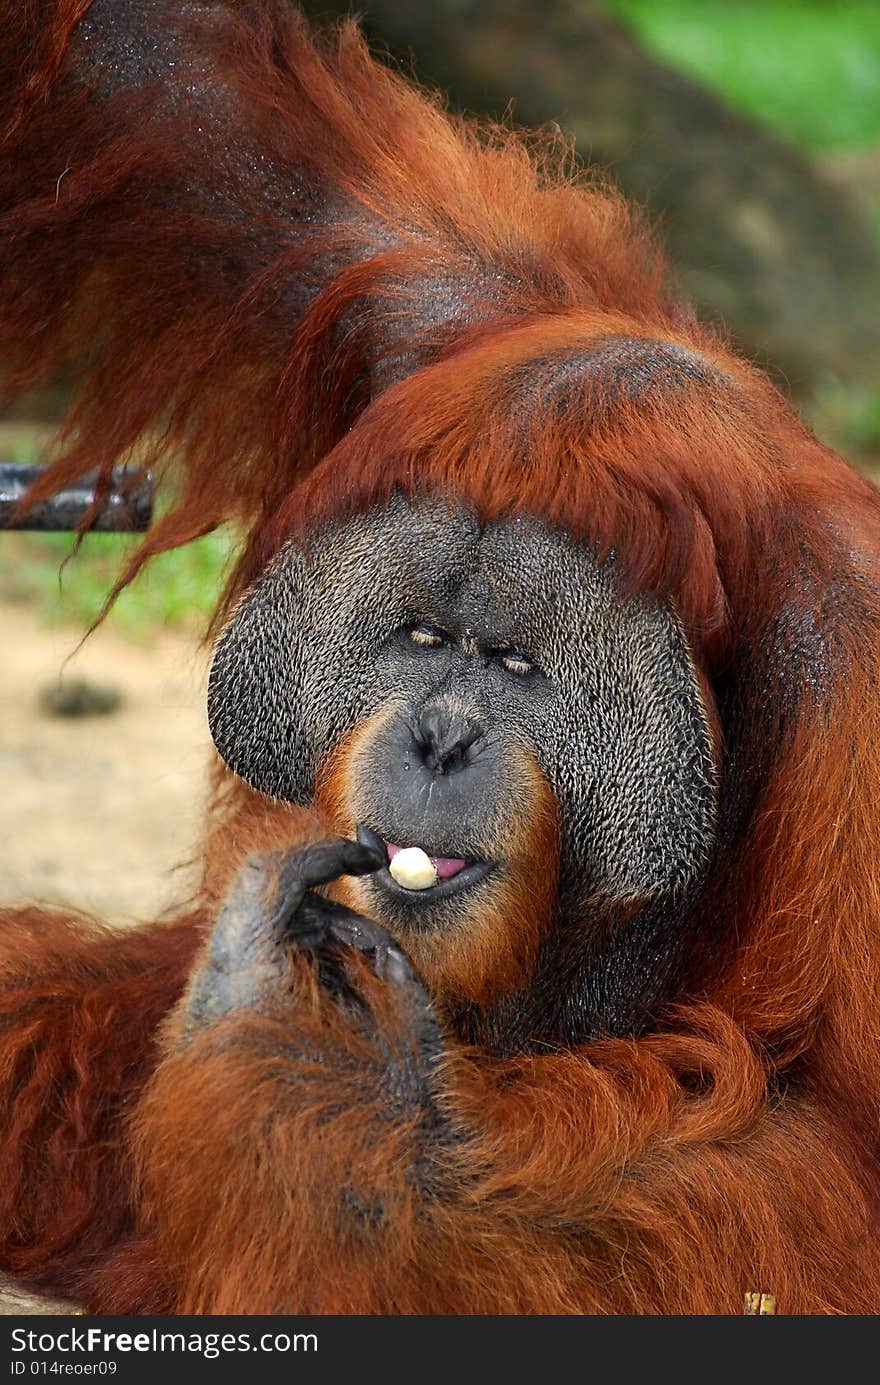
448,743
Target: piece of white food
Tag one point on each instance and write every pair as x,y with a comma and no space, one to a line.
413,869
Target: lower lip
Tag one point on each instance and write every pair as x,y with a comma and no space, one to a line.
469,876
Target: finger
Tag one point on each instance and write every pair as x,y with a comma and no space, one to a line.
308,926
349,929
322,862
336,923
393,965
319,921
354,930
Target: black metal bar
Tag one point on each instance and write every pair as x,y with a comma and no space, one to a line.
127,507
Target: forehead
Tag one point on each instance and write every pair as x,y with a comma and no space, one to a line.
434,555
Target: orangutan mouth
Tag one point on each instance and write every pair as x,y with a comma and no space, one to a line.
453,874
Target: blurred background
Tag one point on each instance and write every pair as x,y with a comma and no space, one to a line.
749,129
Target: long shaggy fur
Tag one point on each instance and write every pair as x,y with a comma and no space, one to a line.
271,259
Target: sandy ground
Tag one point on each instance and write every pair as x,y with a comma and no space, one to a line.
99,811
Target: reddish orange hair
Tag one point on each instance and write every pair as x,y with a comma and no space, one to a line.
300,279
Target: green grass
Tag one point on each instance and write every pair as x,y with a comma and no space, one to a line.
808,68
848,416
177,590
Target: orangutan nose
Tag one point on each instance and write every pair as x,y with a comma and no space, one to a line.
446,741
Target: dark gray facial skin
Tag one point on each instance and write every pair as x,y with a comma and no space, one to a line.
477,649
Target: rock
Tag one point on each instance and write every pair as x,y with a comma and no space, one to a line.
78,697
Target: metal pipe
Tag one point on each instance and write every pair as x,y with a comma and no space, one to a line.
127,506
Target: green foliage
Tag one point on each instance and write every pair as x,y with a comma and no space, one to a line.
808,68
848,416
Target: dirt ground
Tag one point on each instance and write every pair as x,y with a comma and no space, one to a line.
99,811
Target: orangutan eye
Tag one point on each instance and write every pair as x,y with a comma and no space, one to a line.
428,636
516,663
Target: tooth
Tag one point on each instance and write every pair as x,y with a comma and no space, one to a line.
413,869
